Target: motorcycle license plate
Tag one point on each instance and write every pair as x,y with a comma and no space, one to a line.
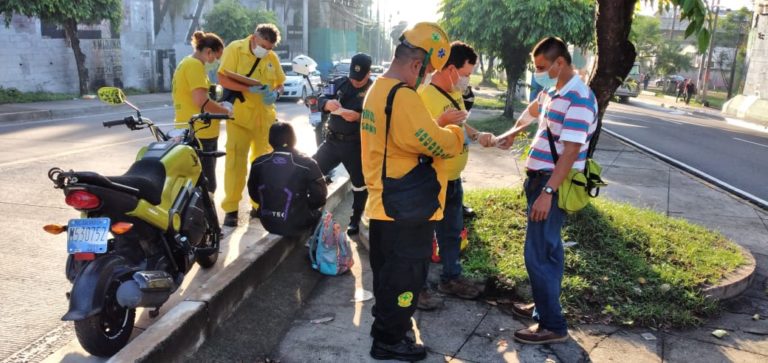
88,235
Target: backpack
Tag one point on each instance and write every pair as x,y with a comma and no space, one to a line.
329,248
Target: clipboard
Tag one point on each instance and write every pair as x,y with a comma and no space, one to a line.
248,81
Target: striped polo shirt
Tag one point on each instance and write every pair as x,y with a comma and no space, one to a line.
570,113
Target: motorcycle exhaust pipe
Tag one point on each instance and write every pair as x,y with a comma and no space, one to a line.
146,289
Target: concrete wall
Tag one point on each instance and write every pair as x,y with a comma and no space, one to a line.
757,53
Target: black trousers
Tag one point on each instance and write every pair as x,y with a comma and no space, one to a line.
400,261
209,162
333,152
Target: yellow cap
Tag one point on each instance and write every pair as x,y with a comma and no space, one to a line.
432,39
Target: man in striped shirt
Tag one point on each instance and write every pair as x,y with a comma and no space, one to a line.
566,108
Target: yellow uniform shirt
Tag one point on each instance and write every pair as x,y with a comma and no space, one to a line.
412,132
189,76
436,104
238,58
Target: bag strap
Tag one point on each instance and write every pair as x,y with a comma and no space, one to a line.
595,136
388,112
552,148
256,63
448,96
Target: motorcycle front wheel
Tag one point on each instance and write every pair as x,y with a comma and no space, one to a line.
208,259
105,333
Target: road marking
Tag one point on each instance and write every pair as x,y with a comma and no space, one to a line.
24,123
728,187
71,152
754,143
652,117
610,122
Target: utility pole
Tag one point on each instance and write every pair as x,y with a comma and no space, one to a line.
672,29
735,57
703,89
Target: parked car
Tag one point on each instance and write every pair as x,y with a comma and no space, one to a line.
296,86
376,71
673,78
339,69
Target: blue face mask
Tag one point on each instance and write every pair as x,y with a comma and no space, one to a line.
544,80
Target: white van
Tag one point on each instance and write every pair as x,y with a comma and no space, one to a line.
631,85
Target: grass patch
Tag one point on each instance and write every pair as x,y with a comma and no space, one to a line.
497,83
630,266
13,95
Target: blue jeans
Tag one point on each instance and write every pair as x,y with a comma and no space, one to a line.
544,260
449,231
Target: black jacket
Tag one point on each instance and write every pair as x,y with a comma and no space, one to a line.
290,190
351,98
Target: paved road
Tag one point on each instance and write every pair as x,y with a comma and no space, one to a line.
32,282
734,155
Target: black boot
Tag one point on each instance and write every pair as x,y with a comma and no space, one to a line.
230,219
468,211
354,227
404,350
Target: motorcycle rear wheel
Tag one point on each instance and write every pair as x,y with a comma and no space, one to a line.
105,333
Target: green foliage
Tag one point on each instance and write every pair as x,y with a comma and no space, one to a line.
509,29
671,60
697,14
60,11
13,95
629,265
646,35
231,21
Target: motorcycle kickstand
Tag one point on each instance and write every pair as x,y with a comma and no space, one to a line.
154,313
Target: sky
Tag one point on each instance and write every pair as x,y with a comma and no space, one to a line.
414,11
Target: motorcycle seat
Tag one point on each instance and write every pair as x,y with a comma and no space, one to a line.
144,179
148,176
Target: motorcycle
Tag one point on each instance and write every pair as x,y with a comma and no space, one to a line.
138,233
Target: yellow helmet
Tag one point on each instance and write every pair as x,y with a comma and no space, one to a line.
432,39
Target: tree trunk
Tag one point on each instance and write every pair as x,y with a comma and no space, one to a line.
488,75
161,10
70,29
482,67
514,66
615,53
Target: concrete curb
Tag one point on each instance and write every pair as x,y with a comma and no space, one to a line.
736,282
690,170
49,114
187,325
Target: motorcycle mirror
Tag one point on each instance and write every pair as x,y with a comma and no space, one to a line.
111,95
114,96
215,92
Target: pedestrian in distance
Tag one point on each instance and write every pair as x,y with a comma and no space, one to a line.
342,103
681,89
287,185
569,110
690,90
400,143
189,89
254,108
445,93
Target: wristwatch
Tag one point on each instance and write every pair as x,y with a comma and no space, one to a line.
548,189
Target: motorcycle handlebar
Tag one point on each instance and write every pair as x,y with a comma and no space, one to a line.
205,116
113,123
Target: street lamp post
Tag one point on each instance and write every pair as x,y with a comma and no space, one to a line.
703,88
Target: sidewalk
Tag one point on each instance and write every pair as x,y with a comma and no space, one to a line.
36,111
477,331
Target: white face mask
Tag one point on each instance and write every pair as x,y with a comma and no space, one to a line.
212,66
462,84
259,51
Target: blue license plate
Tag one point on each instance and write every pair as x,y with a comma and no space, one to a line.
88,235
